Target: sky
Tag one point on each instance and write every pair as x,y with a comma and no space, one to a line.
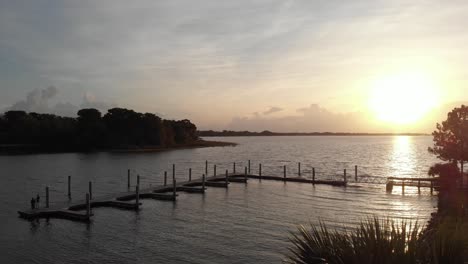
294,66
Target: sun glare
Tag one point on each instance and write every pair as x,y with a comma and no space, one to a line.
403,98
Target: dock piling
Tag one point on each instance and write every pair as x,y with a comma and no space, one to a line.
344,176
173,171
165,178
313,176
245,174
69,186
227,181
174,189
234,168
138,179
128,178
203,182
88,206
284,172
90,190
249,166
389,186
260,171
299,169
137,196
47,196
403,187
432,187
214,170
355,173
190,174
206,167
419,187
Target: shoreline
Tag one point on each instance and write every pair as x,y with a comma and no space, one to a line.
327,134
23,149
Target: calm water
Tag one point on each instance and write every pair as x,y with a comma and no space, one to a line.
243,224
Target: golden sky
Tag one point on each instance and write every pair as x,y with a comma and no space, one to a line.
357,66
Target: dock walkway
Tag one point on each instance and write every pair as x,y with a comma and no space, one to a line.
80,210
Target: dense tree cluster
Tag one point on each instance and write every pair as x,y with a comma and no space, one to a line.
451,137
451,145
118,128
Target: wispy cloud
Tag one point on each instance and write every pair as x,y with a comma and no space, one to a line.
272,110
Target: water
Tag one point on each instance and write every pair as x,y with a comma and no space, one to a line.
243,224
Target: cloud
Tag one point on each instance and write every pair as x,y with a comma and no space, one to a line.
38,100
309,119
272,110
89,101
315,118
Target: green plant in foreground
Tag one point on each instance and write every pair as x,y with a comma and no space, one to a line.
376,241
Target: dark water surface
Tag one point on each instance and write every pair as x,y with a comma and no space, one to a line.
243,224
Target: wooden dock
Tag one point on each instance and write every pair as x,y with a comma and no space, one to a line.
81,210
428,182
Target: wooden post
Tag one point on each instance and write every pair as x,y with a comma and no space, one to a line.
206,167
174,190
284,172
137,196
88,206
90,190
432,187
313,175
245,174
234,168
344,176
47,196
203,182
419,187
226,177
138,180
190,174
260,170
173,171
128,178
214,170
355,173
69,186
249,166
165,178
299,169
403,187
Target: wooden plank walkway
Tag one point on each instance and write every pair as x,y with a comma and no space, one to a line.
121,200
425,182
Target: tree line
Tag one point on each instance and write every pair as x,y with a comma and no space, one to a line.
90,130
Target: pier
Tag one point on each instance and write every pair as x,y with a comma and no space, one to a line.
81,210
427,182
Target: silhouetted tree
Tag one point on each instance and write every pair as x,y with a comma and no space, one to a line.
90,128
448,174
451,137
119,127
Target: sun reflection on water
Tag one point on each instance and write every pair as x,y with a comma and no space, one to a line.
403,160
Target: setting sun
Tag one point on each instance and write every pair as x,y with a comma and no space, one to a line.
403,98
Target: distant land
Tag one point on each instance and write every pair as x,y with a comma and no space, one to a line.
228,133
119,130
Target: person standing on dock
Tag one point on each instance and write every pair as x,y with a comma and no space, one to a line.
38,198
33,203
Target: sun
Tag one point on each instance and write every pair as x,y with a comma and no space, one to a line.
403,98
